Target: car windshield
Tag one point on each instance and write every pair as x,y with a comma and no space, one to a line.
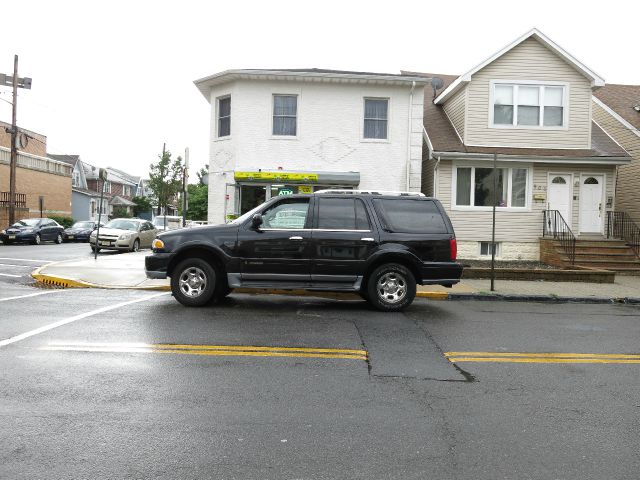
83,225
122,225
27,222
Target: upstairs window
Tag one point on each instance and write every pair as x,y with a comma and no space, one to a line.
528,106
375,118
285,112
224,117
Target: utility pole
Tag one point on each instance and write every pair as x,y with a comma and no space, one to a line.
15,83
185,189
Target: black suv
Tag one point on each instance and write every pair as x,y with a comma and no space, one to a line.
379,245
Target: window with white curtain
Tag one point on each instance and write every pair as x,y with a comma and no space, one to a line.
285,113
477,187
528,105
376,111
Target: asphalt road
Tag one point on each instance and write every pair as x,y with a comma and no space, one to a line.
129,384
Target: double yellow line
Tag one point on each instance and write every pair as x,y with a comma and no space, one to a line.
504,357
211,350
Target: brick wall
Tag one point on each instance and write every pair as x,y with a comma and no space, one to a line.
56,190
36,145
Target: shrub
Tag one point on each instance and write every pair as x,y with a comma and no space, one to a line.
120,212
66,222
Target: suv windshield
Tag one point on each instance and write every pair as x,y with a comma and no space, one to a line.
122,225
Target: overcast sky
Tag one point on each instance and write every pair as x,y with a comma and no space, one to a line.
113,81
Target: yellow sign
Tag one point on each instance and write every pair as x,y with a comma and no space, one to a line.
307,189
276,176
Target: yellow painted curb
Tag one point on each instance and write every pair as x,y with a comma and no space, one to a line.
433,295
62,282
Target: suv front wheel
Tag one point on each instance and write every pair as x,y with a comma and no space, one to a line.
193,282
391,287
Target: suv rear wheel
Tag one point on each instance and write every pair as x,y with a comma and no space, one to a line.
391,287
193,282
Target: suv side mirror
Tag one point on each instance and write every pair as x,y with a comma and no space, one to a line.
256,221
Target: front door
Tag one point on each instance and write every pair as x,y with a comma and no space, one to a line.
560,196
280,250
591,203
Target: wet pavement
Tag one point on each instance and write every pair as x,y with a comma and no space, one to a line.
130,384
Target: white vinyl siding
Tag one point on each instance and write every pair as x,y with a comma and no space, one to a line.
628,183
529,62
514,225
454,108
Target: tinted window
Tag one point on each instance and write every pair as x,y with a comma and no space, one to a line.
337,214
411,216
289,214
362,219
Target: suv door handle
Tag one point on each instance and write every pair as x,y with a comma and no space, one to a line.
367,239
295,238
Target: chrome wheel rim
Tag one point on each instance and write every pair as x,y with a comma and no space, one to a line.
59,239
136,246
392,287
37,239
192,282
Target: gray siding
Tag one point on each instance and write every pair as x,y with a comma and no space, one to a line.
529,61
628,184
454,108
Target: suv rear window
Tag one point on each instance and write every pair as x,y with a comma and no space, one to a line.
342,214
410,216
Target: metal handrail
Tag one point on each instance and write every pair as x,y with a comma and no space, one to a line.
555,226
621,225
5,199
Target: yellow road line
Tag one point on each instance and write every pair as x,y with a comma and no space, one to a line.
542,355
212,350
541,360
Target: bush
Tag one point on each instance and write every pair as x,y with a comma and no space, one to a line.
66,222
121,212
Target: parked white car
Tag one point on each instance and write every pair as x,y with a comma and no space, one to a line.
128,234
171,222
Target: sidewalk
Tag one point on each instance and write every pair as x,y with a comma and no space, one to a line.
127,271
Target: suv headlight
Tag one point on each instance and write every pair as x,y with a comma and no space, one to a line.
157,244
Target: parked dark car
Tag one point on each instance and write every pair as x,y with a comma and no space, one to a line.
80,231
33,230
379,245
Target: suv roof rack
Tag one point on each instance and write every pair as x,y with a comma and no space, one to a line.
371,192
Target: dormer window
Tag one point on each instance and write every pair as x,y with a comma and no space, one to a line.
528,105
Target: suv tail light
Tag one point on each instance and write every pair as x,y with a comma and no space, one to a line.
453,248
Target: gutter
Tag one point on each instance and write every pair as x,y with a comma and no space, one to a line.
410,125
536,158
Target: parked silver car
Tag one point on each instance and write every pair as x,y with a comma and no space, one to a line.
127,234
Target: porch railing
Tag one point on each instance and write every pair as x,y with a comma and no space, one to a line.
5,199
556,227
620,225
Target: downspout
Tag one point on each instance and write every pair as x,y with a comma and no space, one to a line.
410,125
435,177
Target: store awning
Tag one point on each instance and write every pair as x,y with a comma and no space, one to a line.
298,178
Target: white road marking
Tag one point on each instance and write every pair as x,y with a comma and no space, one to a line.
31,295
13,265
9,275
66,321
27,260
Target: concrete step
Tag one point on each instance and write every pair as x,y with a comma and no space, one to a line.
608,264
613,250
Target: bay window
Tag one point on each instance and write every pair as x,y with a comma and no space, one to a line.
528,105
477,187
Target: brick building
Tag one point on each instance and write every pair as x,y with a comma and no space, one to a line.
36,176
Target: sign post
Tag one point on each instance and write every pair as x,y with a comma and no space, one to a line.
103,176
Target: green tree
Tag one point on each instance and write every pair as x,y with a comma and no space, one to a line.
198,202
143,204
165,178
200,174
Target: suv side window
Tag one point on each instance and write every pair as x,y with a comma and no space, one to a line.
342,214
287,215
410,216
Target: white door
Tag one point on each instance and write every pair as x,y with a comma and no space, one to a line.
591,203
560,196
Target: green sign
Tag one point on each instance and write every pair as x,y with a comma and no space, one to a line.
285,191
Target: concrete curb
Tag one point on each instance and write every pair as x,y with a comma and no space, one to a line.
62,282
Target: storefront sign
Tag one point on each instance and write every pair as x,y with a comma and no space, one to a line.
276,177
306,189
285,191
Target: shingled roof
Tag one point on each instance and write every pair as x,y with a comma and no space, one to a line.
444,137
621,99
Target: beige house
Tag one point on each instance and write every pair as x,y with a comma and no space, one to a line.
616,109
529,104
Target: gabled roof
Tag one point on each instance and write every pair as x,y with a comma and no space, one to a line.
620,100
596,80
117,200
132,178
69,159
307,74
443,138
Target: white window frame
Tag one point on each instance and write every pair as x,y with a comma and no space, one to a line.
363,118
217,119
530,83
498,247
107,186
509,167
273,106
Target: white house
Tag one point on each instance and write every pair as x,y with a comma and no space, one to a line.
277,132
529,104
